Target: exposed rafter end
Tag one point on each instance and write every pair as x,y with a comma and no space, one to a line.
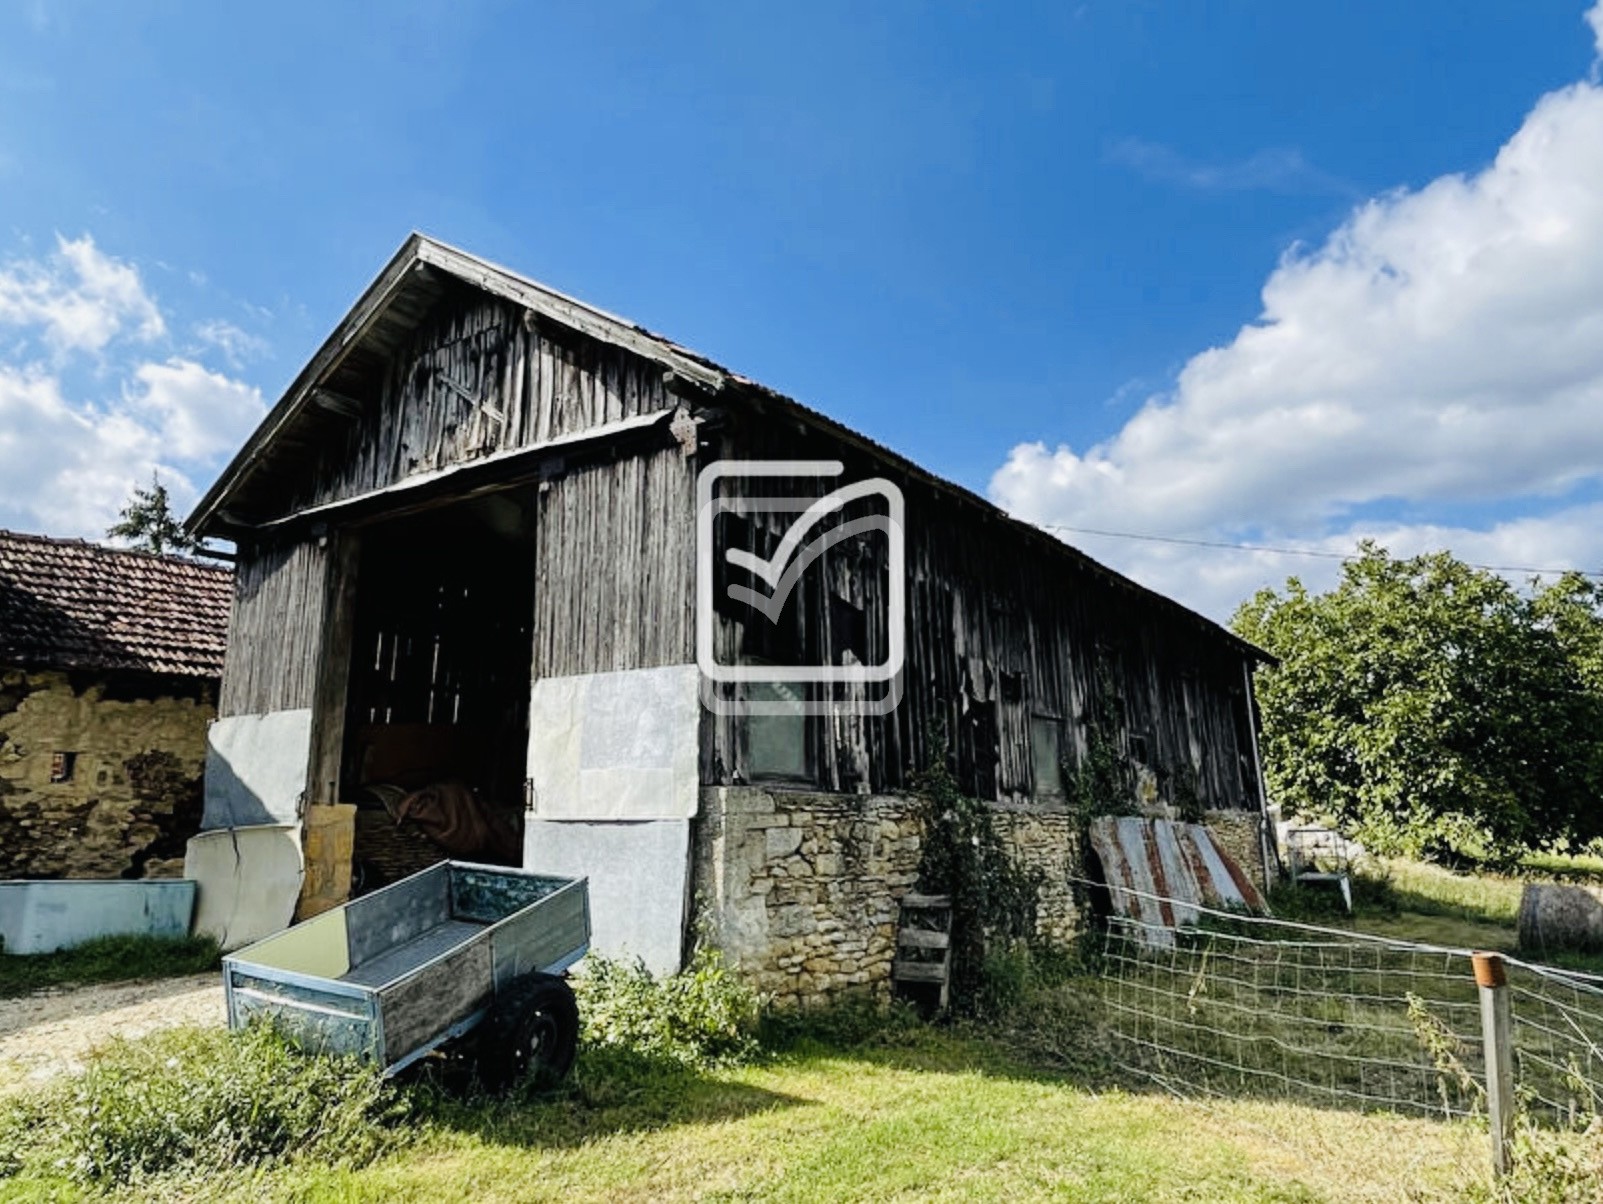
688,387
336,403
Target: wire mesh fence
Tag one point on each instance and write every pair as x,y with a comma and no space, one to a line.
1231,1005
1558,1041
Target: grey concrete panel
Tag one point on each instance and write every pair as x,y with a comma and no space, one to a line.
616,746
256,768
639,881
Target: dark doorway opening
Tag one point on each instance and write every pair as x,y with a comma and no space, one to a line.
437,711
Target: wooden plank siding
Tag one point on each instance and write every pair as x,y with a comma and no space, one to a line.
1003,624
1001,627
615,582
275,630
480,376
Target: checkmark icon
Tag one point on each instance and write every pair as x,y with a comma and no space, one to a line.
772,581
792,557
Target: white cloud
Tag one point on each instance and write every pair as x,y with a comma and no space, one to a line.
1442,346
86,326
81,298
67,469
1594,18
238,346
1216,580
1276,169
196,413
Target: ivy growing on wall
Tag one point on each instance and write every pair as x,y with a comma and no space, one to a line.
994,898
1103,782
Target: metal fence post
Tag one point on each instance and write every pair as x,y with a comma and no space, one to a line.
1497,1034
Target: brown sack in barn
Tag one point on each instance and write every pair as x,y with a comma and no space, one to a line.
1557,918
460,823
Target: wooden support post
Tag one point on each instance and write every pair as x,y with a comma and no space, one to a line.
1497,1034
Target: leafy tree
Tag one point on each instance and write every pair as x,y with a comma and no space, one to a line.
148,524
1431,709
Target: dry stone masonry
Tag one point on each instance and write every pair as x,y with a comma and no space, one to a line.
802,891
132,787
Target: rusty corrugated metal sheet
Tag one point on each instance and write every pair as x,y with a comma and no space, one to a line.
1160,873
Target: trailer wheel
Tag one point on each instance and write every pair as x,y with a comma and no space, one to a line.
533,1030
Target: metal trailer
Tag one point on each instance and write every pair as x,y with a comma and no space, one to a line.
396,974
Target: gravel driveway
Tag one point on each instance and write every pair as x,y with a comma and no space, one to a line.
46,1034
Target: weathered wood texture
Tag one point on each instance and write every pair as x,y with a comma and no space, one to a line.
275,631
334,670
475,379
1003,627
1010,635
616,578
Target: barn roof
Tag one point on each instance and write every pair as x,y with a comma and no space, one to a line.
417,276
67,604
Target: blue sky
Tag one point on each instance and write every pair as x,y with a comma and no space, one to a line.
1253,272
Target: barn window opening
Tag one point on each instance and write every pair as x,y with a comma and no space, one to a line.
1046,754
777,745
437,705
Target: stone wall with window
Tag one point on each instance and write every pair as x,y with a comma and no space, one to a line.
100,775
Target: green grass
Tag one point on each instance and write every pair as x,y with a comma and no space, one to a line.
846,1106
928,1114
108,959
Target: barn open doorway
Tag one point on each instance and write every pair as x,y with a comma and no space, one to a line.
437,711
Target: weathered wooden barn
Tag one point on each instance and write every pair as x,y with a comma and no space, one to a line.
466,541
109,667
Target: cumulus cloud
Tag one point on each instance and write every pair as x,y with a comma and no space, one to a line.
1443,346
92,402
66,468
80,297
195,412
238,346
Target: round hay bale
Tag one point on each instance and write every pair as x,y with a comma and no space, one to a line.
1558,918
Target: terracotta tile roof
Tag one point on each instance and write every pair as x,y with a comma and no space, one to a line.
67,604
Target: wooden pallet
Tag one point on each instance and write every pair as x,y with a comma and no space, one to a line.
924,944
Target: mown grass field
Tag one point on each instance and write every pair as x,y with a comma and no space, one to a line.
1024,1106
933,1115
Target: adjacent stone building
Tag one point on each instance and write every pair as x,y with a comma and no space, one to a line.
109,663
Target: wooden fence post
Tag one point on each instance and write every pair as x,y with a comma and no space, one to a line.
1497,1035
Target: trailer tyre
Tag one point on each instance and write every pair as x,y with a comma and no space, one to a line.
533,1031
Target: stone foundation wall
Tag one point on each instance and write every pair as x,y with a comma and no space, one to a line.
1240,833
134,795
1047,841
802,892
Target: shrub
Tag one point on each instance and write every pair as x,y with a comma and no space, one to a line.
994,897
194,1101
705,1015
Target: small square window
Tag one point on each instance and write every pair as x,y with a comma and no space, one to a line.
61,766
1046,752
776,745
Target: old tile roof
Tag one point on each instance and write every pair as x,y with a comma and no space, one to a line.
67,604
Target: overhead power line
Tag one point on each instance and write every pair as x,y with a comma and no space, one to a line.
1279,551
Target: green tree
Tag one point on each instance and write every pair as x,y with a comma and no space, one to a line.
148,524
1429,708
